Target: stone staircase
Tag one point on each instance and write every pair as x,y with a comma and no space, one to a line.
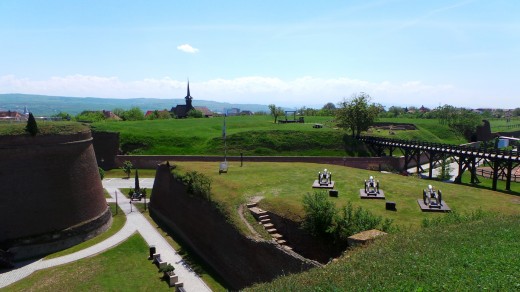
262,217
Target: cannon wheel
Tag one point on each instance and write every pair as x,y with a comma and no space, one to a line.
365,186
424,197
377,187
439,197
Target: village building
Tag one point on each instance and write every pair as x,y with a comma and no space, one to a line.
181,110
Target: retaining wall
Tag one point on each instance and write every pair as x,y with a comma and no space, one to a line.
241,261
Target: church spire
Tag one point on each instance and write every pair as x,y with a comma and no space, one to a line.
188,98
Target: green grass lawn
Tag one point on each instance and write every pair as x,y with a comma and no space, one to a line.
255,135
122,268
284,184
474,256
118,221
119,173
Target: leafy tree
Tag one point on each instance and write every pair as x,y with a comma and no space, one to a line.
516,112
127,168
63,115
32,127
133,114
193,113
275,111
396,111
356,114
90,116
329,106
118,112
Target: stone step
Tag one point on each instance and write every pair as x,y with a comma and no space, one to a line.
263,217
272,230
277,236
267,220
268,225
287,247
281,242
251,205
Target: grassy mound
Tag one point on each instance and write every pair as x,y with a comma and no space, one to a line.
481,255
257,135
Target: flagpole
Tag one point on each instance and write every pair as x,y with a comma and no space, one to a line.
225,142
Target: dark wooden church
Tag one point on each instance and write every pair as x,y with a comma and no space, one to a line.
181,111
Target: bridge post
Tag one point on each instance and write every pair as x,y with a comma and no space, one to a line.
495,174
473,170
458,179
509,172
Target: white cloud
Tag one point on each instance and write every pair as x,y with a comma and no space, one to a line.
304,91
187,49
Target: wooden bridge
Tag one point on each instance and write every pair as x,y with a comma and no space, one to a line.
467,157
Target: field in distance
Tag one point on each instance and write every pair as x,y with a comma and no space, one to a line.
257,135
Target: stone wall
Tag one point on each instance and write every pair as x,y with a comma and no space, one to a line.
241,261
50,184
106,147
372,163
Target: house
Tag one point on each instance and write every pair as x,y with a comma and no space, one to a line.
206,112
109,115
12,116
246,113
181,110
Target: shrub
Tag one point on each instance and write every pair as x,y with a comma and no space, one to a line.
101,173
197,184
319,214
127,168
357,220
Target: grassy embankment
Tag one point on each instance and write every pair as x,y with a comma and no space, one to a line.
474,256
283,185
255,135
44,127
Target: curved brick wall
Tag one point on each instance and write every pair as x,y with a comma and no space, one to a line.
51,190
239,260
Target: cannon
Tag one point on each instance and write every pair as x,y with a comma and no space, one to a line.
371,186
325,177
432,198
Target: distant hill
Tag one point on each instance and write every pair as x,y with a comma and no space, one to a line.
44,105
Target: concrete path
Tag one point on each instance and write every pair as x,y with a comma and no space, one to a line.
135,222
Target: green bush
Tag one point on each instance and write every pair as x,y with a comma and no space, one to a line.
197,184
319,214
322,218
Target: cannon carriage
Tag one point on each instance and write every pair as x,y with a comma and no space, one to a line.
325,177
432,198
371,186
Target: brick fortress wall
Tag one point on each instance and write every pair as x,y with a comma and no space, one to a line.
239,260
51,195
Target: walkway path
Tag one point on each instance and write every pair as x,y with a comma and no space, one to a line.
135,222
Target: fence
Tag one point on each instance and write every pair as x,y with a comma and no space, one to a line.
489,174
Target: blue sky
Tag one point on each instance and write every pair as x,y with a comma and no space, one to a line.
291,53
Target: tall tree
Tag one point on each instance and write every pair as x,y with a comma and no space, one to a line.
356,114
275,111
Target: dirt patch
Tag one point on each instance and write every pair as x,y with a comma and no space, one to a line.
255,235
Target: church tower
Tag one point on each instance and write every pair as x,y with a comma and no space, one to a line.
188,98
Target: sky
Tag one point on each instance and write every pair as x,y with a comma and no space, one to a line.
288,53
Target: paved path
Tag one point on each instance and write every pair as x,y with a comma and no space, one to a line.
135,222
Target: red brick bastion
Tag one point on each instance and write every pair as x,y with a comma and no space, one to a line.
52,196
